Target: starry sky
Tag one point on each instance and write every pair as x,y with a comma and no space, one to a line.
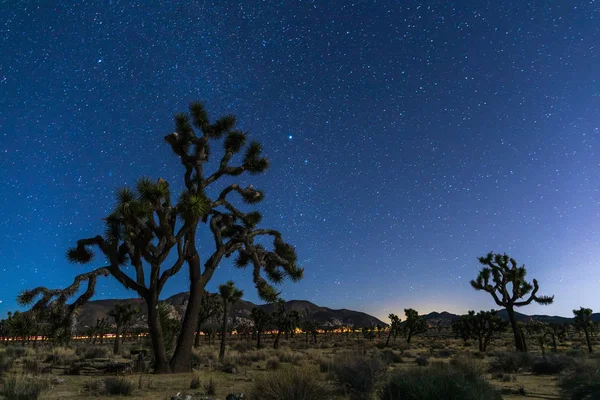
406,138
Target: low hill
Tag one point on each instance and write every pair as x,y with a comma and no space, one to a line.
240,312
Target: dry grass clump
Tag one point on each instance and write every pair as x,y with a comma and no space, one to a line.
272,363
582,381
291,384
61,356
439,381
6,362
510,362
357,373
23,387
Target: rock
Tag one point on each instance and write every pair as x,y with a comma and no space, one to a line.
233,396
230,369
57,381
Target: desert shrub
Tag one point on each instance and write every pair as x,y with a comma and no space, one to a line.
23,388
15,351
195,383
468,366
439,381
96,352
510,362
443,353
210,387
243,346
581,382
357,373
6,362
61,356
73,369
291,384
389,356
31,366
324,363
422,361
552,364
272,363
289,357
118,386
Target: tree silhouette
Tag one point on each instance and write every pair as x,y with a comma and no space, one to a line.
146,227
394,326
507,287
123,314
481,327
414,324
229,295
583,321
261,319
210,307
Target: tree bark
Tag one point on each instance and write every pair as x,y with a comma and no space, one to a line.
387,342
587,339
161,364
182,357
223,332
258,340
276,343
518,335
117,346
197,339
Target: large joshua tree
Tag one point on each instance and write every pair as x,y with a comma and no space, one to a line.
147,226
261,319
229,295
414,325
394,326
583,320
505,281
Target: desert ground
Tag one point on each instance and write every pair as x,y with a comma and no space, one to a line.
338,366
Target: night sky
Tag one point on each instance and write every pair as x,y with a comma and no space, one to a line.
404,141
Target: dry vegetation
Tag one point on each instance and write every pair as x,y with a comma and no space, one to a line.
340,366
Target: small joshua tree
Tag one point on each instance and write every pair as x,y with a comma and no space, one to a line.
210,307
261,319
229,295
311,327
414,324
481,327
394,325
583,321
123,314
505,281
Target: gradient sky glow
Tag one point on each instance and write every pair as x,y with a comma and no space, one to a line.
404,141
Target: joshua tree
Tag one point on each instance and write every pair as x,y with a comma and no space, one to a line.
481,327
394,325
20,326
369,332
414,324
284,321
229,294
583,321
507,287
146,227
123,314
311,327
4,330
210,307
261,319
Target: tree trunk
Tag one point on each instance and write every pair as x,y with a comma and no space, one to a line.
276,343
587,339
258,339
223,333
481,347
518,335
197,339
117,347
387,342
161,364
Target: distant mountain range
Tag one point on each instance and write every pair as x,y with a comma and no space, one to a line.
240,313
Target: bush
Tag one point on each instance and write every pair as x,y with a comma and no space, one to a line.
23,388
118,386
581,382
358,373
291,384
31,366
6,362
61,356
552,365
195,383
422,361
272,363
289,357
389,356
468,366
96,352
440,381
73,369
510,363
15,352
210,387
243,346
